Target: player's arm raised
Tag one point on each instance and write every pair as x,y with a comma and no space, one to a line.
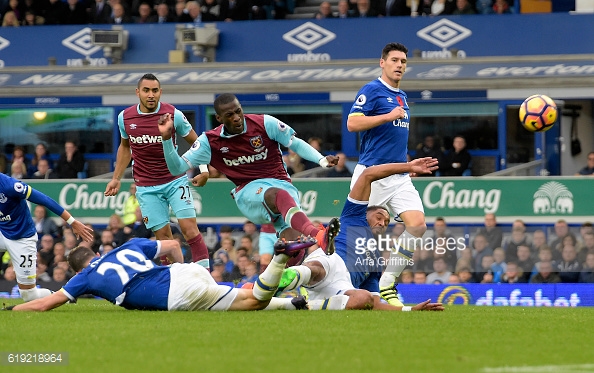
362,188
175,163
358,122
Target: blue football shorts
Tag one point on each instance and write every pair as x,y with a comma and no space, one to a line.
155,202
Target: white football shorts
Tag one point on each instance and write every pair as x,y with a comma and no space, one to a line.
192,288
337,280
395,192
23,254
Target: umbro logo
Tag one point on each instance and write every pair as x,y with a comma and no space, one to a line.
444,33
390,100
224,149
309,36
80,42
132,126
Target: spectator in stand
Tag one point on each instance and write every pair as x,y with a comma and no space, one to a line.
481,248
239,269
588,170
71,162
394,8
144,14
191,14
406,277
130,206
568,268
223,255
457,161
429,149
3,162
235,10
544,255
250,229
54,14
43,224
440,272
501,7
16,8
9,274
420,278
40,153
340,170
587,247
219,270
513,274
491,231
211,11
119,16
525,261
585,228
463,7
59,275
75,13
561,230
46,248
539,240
484,269
32,19
106,239
364,10
120,232
423,260
325,11
587,274
44,171
250,274
465,275
484,6
424,8
499,266
545,274
165,16
343,9
518,237
100,12
180,8
18,170
280,9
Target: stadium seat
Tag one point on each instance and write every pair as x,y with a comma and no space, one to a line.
84,173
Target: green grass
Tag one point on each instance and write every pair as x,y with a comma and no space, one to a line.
100,337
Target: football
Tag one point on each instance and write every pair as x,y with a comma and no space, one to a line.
538,113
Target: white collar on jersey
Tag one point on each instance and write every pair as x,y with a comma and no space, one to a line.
388,86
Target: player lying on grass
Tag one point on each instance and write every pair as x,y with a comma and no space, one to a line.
349,278
127,277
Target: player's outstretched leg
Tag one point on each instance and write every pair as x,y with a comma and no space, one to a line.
267,283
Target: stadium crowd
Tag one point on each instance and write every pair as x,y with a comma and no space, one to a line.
79,12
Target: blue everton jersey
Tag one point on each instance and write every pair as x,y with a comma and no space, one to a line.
121,273
15,217
388,142
352,246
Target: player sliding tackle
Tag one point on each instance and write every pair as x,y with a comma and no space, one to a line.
349,278
128,278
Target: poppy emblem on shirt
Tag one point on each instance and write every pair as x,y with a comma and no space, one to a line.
145,219
257,141
400,100
259,190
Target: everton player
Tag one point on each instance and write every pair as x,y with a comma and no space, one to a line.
157,188
128,277
246,148
349,278
381,113
18,235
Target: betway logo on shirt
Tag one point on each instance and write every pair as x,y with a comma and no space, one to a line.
246,159
146,139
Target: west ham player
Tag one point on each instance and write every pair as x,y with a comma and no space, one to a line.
351,275
127,277
157,188
18,235
246,148
381,114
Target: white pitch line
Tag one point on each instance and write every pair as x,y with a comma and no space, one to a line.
575,368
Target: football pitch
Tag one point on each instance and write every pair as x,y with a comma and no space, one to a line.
95,336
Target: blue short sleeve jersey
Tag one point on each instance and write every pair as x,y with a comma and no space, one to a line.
388,142
351,244
114,275
15,217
